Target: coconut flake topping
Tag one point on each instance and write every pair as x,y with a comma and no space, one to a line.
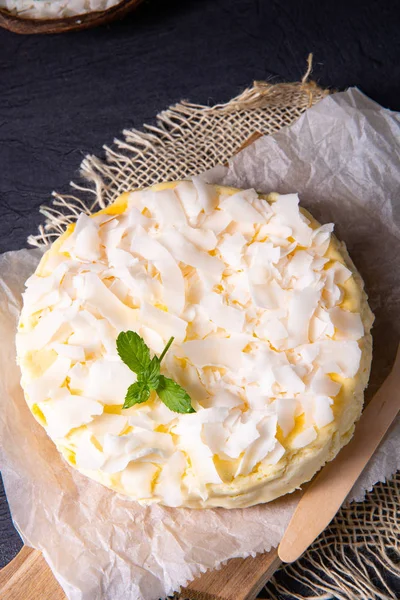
262,343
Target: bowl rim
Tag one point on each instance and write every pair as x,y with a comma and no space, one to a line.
27,25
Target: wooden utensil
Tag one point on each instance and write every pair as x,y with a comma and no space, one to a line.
28,577
329,489
19,24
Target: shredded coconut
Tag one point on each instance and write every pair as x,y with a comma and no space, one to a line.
255,309
55,9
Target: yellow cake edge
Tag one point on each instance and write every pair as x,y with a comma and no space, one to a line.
298,466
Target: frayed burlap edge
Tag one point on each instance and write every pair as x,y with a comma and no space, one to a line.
359,552
186,140
356,557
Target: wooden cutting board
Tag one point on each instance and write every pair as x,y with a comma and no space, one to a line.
28,577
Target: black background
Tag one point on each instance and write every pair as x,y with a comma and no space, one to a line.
63,96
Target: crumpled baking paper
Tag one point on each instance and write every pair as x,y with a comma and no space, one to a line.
342,156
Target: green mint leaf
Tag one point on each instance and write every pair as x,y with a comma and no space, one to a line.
151,374
174,396
137,393
133,351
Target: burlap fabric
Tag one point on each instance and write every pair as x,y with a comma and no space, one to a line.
358,556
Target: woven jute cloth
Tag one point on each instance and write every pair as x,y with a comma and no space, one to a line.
358,556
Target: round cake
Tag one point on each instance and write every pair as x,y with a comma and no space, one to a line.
249,333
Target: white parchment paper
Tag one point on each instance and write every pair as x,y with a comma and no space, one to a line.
343,157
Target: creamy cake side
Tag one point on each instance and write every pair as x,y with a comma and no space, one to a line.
272,343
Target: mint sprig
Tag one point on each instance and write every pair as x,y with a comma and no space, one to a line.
135,353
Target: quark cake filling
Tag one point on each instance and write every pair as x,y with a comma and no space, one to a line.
271,342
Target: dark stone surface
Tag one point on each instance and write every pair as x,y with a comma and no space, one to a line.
63,96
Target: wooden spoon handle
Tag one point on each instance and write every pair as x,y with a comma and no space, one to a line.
330,488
